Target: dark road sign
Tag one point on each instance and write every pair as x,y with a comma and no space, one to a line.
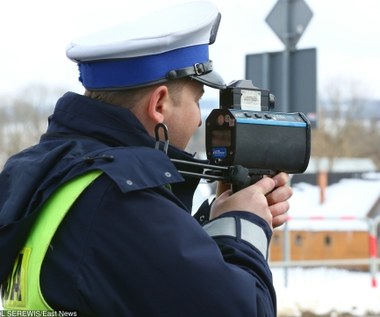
289,19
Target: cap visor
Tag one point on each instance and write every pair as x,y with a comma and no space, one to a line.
211,79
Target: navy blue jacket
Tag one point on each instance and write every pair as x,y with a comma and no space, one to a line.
129,245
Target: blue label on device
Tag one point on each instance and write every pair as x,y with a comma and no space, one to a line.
219,152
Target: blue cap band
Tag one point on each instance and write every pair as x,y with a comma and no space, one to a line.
138,71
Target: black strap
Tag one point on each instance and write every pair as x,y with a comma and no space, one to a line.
197,69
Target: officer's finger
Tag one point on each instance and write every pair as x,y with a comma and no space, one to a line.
279,194
264,185
281,179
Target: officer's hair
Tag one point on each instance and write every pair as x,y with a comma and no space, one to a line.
128,98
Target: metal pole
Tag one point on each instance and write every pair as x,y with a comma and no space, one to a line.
285,81
285,108
286,59
373,225
265,72
286,253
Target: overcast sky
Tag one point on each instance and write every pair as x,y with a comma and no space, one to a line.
35,33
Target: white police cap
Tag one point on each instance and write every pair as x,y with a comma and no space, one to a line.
168,44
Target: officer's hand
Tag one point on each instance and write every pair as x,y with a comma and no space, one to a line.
278,199
267,198
251,199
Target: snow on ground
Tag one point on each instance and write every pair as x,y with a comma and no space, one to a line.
350,199
326,292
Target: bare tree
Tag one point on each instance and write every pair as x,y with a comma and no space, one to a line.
23,118
343,130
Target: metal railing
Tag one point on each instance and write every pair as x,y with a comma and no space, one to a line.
373,261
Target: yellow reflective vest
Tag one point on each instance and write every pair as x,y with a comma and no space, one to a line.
22,290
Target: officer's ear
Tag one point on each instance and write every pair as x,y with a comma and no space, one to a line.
158,104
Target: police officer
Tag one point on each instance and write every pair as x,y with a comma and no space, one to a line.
96,219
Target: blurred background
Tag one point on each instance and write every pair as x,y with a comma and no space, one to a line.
326,258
